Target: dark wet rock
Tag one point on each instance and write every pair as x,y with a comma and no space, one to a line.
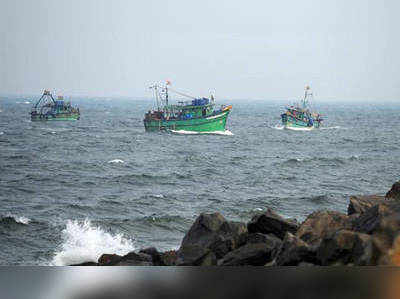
347,247
155,256
109,259
394,192
135,259
318,224
210,233
359,204
86,264
271,223
294,251
256,252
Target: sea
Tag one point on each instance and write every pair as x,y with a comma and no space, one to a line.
71,191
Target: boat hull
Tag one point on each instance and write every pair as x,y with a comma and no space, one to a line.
213,123
64,117
292,123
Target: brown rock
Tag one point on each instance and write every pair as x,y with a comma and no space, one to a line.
109,259
135,259
318,224
256,252
294,251
359,204
347,247
394,192
271,223
210,233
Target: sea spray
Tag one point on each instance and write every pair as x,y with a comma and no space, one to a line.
85,242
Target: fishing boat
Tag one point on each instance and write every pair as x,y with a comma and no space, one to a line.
194,115
300,116
47,108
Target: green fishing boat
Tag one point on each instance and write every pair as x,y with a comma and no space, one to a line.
47,108
300,116
196,115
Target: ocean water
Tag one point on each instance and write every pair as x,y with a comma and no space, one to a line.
71,191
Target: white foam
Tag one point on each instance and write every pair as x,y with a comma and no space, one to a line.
183,132
19,219
299,129
1,133
116,161
26,102
84,242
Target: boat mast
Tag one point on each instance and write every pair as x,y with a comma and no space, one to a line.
305,96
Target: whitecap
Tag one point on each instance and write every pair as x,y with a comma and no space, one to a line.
116,161
84,242
19,219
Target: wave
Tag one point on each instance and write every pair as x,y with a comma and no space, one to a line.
183,132
277,127
116,161
336,160
84,242
11,218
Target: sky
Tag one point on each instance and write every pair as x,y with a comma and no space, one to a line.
346,50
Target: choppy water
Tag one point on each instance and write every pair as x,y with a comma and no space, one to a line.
70,191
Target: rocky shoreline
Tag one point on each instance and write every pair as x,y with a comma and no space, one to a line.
368,235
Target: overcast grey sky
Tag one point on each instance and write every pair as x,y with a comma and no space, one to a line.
238,49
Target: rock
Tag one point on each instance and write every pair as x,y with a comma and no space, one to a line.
359,204
371,219
210,233
169,258
256,252
109,259
271,223
394,192
347,247
318,224
155,256
261,238
86,264
294,251
135,259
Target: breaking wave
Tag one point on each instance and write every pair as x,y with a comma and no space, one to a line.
16,219
84,242
116,161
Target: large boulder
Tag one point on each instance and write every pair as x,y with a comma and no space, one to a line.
256,252
371,220
210,233
383,223
347,247
134,259
394,192
359,204
318,224
271,223
294,251
109,259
